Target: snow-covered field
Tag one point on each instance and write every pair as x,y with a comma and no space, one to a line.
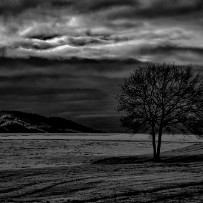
60,168
100,136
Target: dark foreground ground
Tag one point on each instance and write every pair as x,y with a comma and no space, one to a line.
179,178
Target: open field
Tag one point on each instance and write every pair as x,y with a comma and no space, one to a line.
99,170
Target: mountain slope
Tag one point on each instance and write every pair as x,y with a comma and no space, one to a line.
19,122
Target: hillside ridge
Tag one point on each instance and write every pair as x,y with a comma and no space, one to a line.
21,122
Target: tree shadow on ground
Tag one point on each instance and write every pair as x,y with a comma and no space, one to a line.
193,153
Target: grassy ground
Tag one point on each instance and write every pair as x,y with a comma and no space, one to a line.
101,176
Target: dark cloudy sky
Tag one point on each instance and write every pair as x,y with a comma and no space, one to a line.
67,57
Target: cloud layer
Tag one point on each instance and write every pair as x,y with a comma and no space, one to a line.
102,28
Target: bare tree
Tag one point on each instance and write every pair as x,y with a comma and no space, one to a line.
162,97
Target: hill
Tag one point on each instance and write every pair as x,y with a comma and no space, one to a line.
20,122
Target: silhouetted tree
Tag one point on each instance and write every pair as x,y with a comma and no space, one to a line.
162,97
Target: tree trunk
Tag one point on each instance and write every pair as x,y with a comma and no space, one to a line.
154,144
159,145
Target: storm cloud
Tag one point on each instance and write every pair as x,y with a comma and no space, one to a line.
98,29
